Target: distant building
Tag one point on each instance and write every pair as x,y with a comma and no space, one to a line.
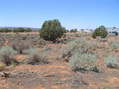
113,31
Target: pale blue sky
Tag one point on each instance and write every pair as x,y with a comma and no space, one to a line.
71,13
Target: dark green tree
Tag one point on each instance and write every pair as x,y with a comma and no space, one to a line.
20,29
73,30
5,30
52,30
28,30
100,31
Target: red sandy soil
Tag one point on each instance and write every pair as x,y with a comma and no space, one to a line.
58,75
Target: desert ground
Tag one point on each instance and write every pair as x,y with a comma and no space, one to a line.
54,70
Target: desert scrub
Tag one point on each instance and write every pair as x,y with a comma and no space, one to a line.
35,57
84,62
19,45
79,45
7,55
73,34
112,62
107,88
115,45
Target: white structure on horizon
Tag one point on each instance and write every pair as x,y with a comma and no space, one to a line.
113,29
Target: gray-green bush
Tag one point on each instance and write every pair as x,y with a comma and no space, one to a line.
35,57
79,45
115,45
84,62
7,55
19,45
112,62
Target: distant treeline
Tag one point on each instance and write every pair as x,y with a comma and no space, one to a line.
16,30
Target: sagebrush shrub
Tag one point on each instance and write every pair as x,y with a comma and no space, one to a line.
112,62
35,57
115,45
79,45
20,46
100,31
51,30
83,62
7,55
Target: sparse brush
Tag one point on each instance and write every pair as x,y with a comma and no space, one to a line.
79,45
83,62
35,57
7,55
115,45
112,62
31,51
20,46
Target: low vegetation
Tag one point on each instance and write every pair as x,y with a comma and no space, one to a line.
79,45
20,29
112,62
84,62
35,57
7,55
115,45
19,46
72,56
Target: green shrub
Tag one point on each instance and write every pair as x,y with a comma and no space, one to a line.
35,57
83,62
20,29
5,30
73,30
51,30
7,55
101,31
28,30
112,62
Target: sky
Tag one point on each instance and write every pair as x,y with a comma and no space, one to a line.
71,13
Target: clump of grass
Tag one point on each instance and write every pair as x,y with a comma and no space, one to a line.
112,62
7,55
35,57
83,62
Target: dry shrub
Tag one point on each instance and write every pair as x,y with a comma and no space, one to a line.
7,55
35,57
20,46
